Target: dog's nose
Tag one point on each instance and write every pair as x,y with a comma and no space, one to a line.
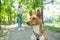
27,23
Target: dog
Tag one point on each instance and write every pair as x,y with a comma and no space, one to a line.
37,26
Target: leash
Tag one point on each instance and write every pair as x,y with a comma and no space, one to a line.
37,35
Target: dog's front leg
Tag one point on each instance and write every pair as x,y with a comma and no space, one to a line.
33,37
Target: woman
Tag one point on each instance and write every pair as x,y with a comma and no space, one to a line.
20,11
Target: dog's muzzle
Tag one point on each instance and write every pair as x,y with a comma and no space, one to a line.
27,23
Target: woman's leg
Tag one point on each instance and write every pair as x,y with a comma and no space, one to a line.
19,20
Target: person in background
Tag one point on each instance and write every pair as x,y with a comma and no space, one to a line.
20,11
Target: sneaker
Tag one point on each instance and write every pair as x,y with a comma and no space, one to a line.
20,29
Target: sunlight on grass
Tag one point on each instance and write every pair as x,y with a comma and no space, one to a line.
52,25
55,27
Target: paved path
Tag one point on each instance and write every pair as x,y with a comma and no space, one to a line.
25,34
14,34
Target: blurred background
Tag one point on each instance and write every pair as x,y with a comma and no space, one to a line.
50,10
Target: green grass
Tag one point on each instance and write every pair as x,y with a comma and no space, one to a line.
1,33
52,26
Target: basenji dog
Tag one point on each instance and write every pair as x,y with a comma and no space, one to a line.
37,26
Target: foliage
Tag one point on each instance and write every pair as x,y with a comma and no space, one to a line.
6,11
33,3
9,14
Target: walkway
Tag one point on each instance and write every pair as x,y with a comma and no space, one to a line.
25,34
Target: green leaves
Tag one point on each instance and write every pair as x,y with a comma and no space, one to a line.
11,15
33,3
6,11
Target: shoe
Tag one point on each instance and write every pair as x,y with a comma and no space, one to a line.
20,29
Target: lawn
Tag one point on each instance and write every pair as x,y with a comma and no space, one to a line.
52,26
3,33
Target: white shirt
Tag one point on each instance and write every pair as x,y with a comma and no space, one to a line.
20,10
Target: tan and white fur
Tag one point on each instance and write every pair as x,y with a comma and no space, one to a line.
37,26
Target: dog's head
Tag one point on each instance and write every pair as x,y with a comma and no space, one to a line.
35,19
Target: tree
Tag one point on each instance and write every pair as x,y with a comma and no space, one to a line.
0,16
33,4
6,10
8,15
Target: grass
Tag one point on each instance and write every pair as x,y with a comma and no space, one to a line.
52,26
3,33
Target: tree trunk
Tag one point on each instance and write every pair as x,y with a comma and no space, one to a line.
42,10
10,18
0,25
0,22
42,15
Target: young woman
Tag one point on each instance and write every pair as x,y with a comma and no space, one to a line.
20,11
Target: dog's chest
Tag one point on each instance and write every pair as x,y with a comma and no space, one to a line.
36,29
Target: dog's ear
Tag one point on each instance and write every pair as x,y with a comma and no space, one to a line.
38,13
30,13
